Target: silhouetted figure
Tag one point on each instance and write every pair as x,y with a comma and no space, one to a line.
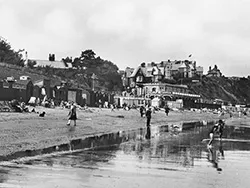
42,114
148,134
217,129
72,115
141,111
148,115
166,109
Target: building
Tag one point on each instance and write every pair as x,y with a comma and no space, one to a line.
199,71
51,62
156,89
147,81
42,88
215,72
11,89
125,76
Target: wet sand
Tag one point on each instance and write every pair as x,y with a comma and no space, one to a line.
165,160
28,131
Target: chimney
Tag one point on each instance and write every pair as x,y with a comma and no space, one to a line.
26,59
51,57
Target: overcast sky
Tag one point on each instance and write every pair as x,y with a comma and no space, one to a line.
129,32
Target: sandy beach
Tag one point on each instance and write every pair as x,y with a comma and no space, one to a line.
28,131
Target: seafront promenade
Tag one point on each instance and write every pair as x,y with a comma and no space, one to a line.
28,131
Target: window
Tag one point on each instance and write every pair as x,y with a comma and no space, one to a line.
139,78
153,89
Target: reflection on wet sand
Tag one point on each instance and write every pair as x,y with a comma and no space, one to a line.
214,156
142,158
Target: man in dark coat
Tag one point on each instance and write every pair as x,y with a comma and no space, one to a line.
148,115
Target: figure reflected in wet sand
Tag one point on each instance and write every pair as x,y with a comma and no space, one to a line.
213,156
148,115
148,133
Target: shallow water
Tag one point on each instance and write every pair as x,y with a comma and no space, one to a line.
172,157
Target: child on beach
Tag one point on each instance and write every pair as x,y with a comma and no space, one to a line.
217,129
72,115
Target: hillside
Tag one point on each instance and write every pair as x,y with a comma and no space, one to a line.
7,70
87,69
232,90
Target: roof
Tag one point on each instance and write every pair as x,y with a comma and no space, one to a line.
156,71
175,65
129,71
137,69
183,65
22,84
54,64
39,83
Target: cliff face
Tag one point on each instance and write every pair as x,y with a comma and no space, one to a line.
231,90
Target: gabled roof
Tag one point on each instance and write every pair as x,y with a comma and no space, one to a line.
129,71
183,65
156,71
143,70
54,64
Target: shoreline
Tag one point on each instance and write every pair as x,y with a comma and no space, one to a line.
28,132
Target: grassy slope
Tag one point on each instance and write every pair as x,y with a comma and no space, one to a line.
235,91
16,72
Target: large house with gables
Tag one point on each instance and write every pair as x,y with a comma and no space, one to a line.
147,81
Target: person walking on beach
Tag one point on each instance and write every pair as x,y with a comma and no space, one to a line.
217,129
166,109
72,115
142,110
148,115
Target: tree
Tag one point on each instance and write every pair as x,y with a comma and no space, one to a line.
77,62
87,55
8,55
31,63
67,60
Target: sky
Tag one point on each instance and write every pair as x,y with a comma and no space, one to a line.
129,32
